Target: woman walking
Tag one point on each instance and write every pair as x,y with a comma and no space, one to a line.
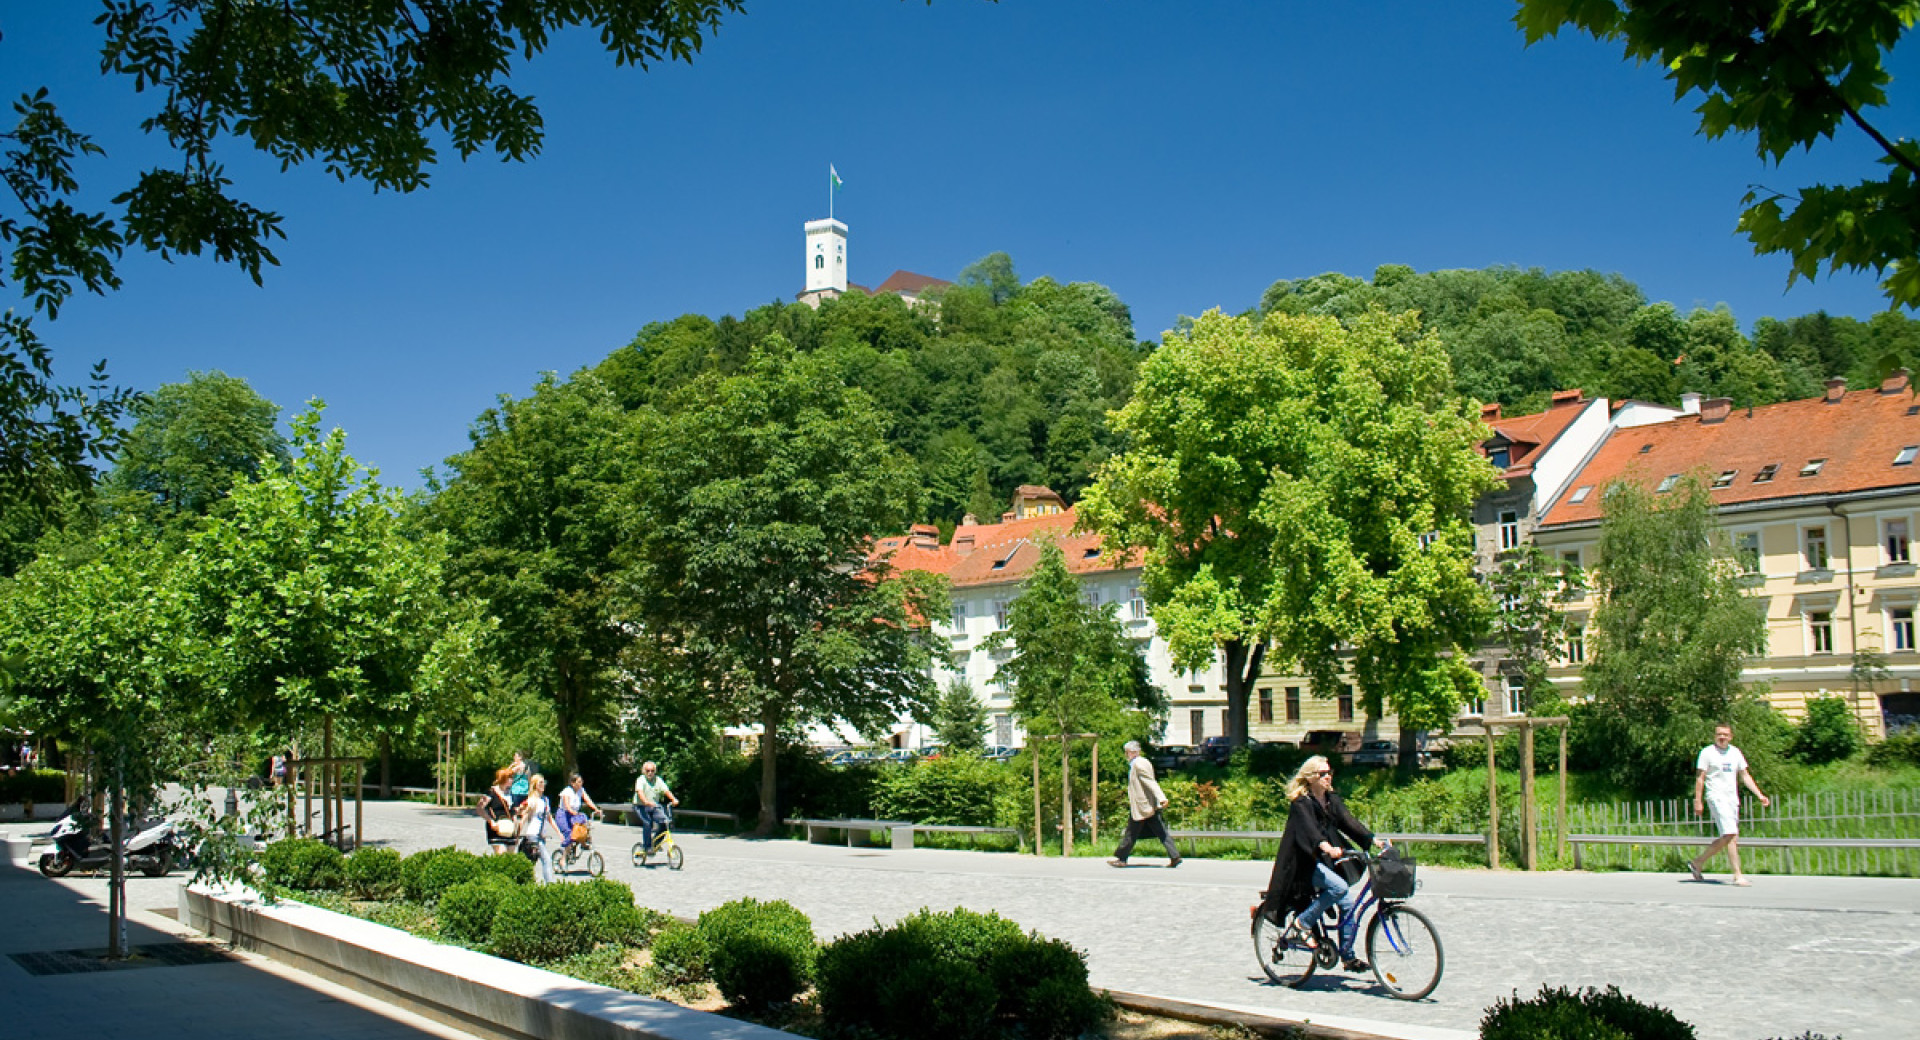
535,817
1304,871
496,808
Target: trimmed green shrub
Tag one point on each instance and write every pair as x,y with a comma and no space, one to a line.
679,956
1591,1014
1899,749
40,786
951,789
760,954
1829,732
517,869
958,973
302,863
445,871
621,921
545,923
373,873
413,871
466,910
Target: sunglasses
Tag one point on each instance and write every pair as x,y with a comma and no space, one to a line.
1324,772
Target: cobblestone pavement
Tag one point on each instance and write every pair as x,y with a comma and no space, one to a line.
1833,955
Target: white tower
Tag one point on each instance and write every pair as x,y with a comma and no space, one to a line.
826,257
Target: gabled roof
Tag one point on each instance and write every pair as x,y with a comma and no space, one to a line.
906,283
1001,554
1859,435
1531,435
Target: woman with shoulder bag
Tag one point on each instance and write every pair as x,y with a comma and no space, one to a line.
496,808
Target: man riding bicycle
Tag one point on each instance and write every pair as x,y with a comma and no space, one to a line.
574,806
650,796
1306,869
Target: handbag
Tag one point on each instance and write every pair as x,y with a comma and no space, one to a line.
505,827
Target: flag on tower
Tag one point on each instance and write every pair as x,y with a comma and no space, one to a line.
833,175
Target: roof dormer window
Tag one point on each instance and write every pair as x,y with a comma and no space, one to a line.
1501,456
1667,484
1812,468
1765,476
1724,479
1580,493
1906,455
1647,447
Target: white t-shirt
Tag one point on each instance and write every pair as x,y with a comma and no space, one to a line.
570,799
1723,771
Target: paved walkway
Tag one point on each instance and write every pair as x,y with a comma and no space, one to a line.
242,999
1833,955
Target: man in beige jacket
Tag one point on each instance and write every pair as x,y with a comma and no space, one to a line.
1144,802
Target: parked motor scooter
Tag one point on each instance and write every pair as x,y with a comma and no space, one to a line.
152,850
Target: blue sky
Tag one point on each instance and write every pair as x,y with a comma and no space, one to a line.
1187,155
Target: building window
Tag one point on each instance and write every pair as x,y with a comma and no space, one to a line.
1667,484
1346,704
1266,706
1509,529
1500,457
819,262
1576,644
1906,455
1293,704
1820,631
1746,550
1474,708
1816,548
1197,724
959,618
1516,688
1765,476
1812,468
1510,603
1226,721
1894,538
1136,604
1003,730
1900,623
1427,539
1724,479
1580,493
1092,596
999,615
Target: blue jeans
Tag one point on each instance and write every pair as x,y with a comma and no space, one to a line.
1330,889
651,817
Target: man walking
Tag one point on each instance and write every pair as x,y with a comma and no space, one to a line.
1144,802
1718,774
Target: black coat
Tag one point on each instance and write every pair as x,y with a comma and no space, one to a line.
1308,824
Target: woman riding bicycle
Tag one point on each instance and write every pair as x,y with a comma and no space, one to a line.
1305,871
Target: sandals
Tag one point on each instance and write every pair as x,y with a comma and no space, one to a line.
1296,936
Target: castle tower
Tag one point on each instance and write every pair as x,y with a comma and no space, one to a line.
826,259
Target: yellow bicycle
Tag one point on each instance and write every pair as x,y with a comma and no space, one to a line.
663,845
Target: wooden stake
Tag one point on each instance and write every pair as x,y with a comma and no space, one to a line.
1039,847
1529,835
1563,792
1095,837
1493,808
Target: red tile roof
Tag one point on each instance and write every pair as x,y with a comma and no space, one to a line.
906,283
1002,553
1532,434
1858,435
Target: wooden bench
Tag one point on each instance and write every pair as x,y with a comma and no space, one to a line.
1702,841
1259,836
858,832
625,809
903,835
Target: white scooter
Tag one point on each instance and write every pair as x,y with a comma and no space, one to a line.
152,850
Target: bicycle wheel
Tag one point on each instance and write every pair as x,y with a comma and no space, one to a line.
639,853
675,858
1405,951
595,865
1284,963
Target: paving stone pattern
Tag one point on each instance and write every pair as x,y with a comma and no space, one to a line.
1832,955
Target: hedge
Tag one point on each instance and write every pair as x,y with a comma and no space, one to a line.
1591,1014
467,910
679,956
546,923
373,873
759,954
304,864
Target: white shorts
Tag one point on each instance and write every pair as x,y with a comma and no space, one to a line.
1726,815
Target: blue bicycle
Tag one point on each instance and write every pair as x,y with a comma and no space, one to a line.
1402,945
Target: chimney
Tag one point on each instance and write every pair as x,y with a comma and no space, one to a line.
1689,403
968,520
1836,389
1490,412
1563,398
963,543
925,536
1715,409
1896,381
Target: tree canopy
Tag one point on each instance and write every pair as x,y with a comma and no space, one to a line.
1789,73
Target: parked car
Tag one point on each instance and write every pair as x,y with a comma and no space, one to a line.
1376,753
999,753
1169,757
850,757
1218,750
900,755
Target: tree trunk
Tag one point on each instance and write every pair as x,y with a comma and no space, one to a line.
328,784
569,743
1243,661
1066,798
769,765
386,765
117,886
1409,749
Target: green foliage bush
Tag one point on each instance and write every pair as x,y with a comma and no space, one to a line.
373,873
303,864
413,871
517,869
621,922
1592,1014
466,910
545,923
759,954
804,785
1899,749
445,871
1829,732
959,974
952,789
679,956
40,786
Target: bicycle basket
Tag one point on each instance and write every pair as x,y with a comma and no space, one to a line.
1392,876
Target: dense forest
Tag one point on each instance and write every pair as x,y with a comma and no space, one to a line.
1009,383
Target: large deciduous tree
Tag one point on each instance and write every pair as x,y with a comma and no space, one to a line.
372,90
1306,484
192,441
755,496
1672,631
1789,72
532,516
